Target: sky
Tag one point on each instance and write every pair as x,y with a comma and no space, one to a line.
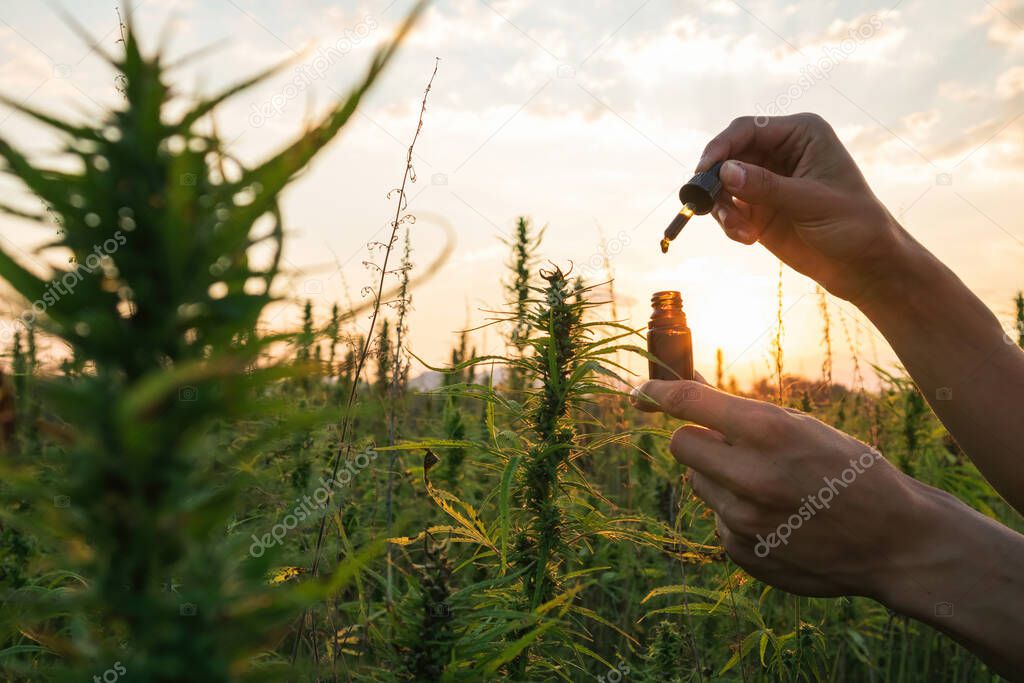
586,117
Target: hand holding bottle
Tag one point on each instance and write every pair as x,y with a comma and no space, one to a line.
814,511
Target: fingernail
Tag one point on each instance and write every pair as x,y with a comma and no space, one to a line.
733,175
722,213
638,397
700,163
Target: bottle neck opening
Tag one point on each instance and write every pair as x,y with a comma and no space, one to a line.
667,301
667,310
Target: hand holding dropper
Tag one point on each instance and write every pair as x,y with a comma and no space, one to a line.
698,197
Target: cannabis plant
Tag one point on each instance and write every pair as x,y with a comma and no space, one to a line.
524,256
556,358
549,515
134,497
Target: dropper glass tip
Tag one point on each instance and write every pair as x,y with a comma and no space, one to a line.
675,227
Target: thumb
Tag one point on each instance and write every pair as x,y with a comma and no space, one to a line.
758,185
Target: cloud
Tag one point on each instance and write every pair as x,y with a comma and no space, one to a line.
530,71
959,92
723,7
920,123
466,22
996,143
869,37
685,47
469,23
1010,83
1005,21
22,66
689,46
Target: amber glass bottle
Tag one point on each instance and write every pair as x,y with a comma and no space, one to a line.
668,338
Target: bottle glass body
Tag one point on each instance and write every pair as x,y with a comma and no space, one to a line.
669,339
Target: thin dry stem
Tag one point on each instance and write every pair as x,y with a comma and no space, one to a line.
777,341
399,219
826,337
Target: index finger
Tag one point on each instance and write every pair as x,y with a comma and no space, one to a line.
760,133
700,403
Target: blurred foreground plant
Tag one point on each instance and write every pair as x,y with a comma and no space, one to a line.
135,500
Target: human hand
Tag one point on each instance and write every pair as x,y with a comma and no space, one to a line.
791,185
799,505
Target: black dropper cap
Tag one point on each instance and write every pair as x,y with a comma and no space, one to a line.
702,190
698,197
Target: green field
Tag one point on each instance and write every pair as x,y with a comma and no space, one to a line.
189,496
